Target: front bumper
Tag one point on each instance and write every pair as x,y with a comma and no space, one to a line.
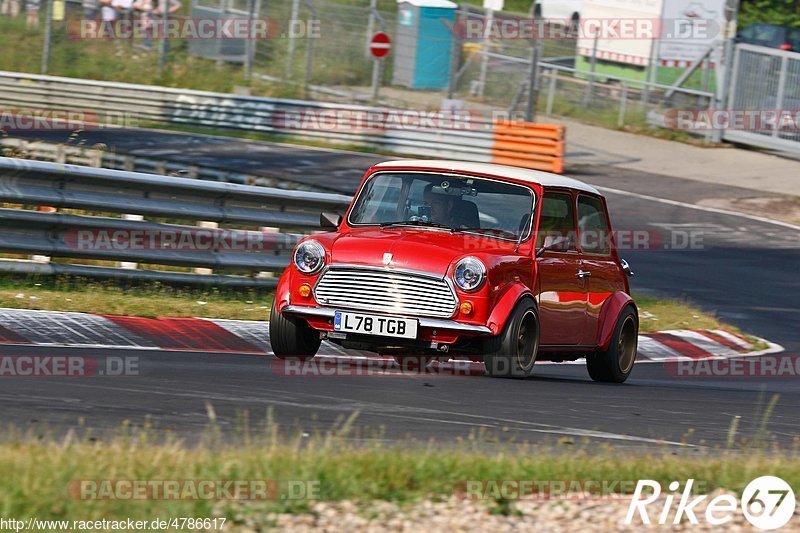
433,323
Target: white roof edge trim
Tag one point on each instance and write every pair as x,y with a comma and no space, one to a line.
545,179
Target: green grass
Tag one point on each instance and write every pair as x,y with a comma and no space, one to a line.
146,300
151,300
35,472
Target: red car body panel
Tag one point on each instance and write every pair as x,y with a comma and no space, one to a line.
577,315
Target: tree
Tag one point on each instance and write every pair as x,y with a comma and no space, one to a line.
780,12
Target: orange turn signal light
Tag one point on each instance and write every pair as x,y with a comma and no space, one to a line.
304,290
466,308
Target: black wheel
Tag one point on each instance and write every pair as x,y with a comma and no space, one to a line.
614,365
292,337
412,363
513,352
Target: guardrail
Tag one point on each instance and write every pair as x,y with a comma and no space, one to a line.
278,213
430,134
99,156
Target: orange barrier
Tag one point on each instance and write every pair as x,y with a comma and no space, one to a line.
528,145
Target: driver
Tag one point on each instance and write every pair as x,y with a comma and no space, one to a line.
441,205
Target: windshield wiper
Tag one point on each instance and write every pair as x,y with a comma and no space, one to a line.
499,232
414,223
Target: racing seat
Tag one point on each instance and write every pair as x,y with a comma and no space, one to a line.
465,214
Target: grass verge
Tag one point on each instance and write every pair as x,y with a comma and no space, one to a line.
36,474
148,300
656,314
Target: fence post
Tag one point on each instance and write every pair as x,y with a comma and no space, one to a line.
373,5
48,32
249,42
309,50
623,105
589,94
487,32
290,45
162,45
551,93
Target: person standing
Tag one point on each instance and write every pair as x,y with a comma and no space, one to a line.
32,14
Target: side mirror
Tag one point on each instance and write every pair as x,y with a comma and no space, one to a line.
330,220
626,267
555,243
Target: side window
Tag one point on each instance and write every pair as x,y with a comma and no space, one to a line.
593,226
557,219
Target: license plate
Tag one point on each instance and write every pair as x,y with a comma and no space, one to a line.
384,326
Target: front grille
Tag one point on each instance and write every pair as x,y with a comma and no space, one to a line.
386,291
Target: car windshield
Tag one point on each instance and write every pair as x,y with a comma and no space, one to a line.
471,205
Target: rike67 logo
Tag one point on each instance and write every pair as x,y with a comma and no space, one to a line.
768,503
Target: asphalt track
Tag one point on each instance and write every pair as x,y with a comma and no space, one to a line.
741,268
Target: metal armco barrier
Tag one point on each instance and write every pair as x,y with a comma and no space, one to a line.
408,132
62,235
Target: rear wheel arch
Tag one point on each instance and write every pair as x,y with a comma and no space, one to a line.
613,308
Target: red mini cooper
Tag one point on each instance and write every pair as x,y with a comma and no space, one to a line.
449,259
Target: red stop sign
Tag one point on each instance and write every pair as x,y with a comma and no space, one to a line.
380,44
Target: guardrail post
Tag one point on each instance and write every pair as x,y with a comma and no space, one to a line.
267,229
61,154
96,157
129,265
205,225
43,258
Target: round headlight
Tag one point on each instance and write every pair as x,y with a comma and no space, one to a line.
309,257
469,274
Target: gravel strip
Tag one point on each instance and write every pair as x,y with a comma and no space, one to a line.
457,514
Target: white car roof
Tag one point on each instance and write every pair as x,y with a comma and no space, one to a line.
546,179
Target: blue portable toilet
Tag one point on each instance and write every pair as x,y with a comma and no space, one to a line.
424,43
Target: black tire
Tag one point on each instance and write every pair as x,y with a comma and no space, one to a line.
292,337
512,354
412,363
615,364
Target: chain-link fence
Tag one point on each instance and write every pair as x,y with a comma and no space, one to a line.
319,49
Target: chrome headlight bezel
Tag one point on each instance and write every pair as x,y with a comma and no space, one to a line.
312,247
476,280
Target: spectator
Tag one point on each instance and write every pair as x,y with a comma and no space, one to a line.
174,5
91,9
145,9
107,11
9,7
32,14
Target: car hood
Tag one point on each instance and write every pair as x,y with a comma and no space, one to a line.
426,250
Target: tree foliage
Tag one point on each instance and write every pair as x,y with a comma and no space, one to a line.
780,12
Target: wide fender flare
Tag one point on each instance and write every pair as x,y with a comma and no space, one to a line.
283,290
505,305
609,314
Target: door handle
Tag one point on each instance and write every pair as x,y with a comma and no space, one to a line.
583,273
